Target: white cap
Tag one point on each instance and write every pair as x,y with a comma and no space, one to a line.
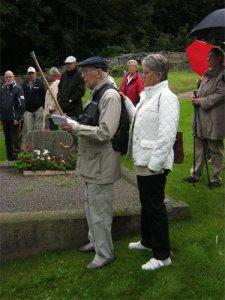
31,70
70,59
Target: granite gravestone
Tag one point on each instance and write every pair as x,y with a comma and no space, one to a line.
48,140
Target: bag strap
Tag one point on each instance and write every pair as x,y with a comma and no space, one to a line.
99,93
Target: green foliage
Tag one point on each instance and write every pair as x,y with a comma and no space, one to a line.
56,28
36,161
119,70
2,150
112,50
165,42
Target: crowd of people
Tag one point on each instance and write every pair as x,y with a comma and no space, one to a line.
29,107
153,111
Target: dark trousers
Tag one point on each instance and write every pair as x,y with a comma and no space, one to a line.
12,139
154,219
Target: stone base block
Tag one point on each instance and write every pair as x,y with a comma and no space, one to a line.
28,234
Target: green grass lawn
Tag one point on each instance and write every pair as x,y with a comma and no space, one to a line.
179,81
2,150
198,254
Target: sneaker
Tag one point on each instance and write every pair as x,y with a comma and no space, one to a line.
190,179
215,182
87,248
96,264
154,264
138,246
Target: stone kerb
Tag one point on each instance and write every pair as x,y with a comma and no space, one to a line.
175,210
48,173
33,230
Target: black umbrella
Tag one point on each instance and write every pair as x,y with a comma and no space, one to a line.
212,26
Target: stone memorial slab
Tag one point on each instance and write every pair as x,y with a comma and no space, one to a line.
48,140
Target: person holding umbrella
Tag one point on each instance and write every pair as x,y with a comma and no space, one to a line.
209,124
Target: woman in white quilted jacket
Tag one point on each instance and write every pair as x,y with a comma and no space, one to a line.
153,131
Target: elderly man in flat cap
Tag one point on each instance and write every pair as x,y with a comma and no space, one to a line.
71,89
98,163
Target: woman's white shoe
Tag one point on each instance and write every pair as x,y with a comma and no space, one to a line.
154,264
137,246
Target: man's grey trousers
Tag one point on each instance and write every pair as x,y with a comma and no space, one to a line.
99,214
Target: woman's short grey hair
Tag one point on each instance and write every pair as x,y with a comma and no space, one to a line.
54,72
133,61
157,63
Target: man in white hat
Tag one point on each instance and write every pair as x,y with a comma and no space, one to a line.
71,89
34,93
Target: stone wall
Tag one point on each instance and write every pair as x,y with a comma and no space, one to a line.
177,61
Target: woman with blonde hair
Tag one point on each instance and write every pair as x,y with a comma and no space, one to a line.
50,106
132,83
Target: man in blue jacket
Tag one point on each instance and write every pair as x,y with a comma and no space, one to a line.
11,111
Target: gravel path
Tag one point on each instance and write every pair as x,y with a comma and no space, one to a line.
45,193
42,193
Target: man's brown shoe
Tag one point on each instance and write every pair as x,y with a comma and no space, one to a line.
99,264
87,248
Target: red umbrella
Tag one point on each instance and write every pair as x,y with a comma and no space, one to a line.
197,54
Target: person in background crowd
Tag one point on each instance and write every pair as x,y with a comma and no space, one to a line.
71,89
11,110
34,93
98,163
153,133
132,84
210,121
50,107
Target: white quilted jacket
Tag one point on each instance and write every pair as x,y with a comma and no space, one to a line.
154,126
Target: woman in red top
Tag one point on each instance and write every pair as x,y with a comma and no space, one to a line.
132,84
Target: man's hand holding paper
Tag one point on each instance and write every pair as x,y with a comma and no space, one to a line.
66,123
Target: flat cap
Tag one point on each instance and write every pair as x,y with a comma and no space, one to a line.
96,62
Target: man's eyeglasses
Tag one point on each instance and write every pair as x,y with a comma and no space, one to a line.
88,69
